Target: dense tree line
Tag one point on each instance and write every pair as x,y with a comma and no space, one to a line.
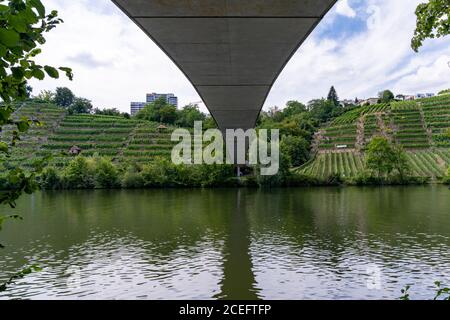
163,112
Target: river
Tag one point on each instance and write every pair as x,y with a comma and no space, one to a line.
318,243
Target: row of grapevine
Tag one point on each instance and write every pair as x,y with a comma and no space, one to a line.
353,115
25,150
349,164
428,163
410,132
93,134
437,116
345,164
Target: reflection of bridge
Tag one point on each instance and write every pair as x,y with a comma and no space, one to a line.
232,51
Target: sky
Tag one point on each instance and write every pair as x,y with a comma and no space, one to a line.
361,47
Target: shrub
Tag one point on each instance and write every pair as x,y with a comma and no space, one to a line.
281,178
106,174
159,173
334,179
132,180
297,148
383,157
50,179
79,174
302,180
447,178
216,175
3,183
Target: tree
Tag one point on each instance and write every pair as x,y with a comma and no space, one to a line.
159,111
379,156
64,97
386,96
46,95
151,111
324,110
293,108
112,112
333,96
106,174
432,22
188,115
80,105
108,112
296,148
79,173
383,157
22,28
168,114
209,123
400,161
301,125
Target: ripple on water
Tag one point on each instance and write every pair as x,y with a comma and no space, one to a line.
111,267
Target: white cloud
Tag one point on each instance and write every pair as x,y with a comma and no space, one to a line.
343,8
360,65
115,62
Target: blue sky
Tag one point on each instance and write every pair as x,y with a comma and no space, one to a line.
361,47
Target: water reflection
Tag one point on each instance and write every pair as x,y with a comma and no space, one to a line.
231,244
238,281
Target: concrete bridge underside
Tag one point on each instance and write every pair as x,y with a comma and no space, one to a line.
232,51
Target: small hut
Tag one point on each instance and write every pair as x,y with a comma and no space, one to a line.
161,128
75,151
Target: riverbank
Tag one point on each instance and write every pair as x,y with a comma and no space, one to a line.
102,173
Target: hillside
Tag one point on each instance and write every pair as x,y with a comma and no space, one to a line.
116,137
420,126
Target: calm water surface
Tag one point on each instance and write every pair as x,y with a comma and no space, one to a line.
328,243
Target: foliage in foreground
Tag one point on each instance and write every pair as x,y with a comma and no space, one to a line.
23,24
432,22
442,293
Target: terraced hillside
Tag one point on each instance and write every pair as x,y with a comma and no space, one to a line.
146,142
431,164
116,137
50,117
102,135
422,127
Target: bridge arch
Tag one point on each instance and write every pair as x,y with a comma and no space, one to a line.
232,51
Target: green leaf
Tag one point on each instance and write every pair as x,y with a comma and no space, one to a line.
39,7
38,74
3,147
23,126
17,73
18,23
3,8
30,16
52,72
68,71
9,38
3,50
35,52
